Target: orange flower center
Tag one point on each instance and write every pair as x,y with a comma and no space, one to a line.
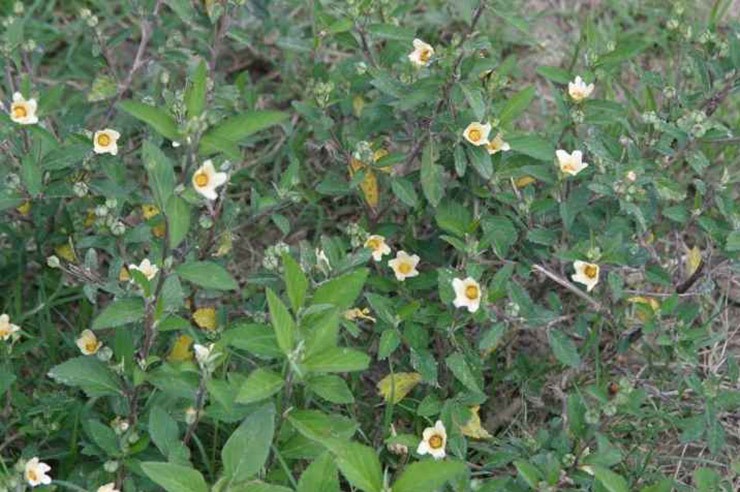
32,476
91,345
104,140
471,292
568,167
19,111
373,243
425,55
474,135
404,268
495,145
201,179
436,441
590,271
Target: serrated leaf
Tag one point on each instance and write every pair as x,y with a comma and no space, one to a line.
431,176
177,212
260,384
195,94
427,475
89,374
296,282
282,322
248,447
516,105
395,386
337,360
160,120
564,348
341,291
175,478
120,312
360,466
207,274
232,131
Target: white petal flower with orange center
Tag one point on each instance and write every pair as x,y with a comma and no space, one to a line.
578,90
6,327
434,440
378,246
23,111
146,267
206,180
109,487
571,164
88,343
477,133
467,293
404,265
35,472
422,54
497,145
586,274
106,141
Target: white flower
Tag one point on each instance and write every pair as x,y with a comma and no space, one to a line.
35,472
88,343
378,246
578,89
497,145
434,440
321,258
206,180
631,176
205,356
571,163
106,141
586,274
404,266
146,267
422,54
6,327
109,487
477,133
467,293
23,111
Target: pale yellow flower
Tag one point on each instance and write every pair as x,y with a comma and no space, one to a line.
578,89
586,274
404,265
357,313
35,472
571,164
23,111
477,133
422,54
467,294
106,141
109,487
497,145
146,267
206,180
6,327
378,246
434,440
88,343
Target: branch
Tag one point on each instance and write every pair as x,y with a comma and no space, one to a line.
568,285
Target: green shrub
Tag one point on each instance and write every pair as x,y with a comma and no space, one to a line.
369,245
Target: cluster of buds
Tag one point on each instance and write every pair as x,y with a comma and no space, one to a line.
357,234
88,17
321,92
273,254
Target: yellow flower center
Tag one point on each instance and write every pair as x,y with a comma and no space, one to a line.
494,145
19,111
4,331
425,55
474,134
32,476
373,243
104,140
471,292
590,271
201,179
404,268
436,441
568,167
91,346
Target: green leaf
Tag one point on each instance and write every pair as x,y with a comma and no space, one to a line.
158,119
282,322
431,176
207,274
235,129
103,436
460,368
195,94
321,427
500,233
516,105
480,159
341,291
555,74
89,374
246,450
120,312
404,191
255,338
175,478
536,147
360,466
427,475
296,282
475,99
178,220
338,360
733,242
454,218
389,31
529,473
160,171
564,348
260,384
610,480
321,476
165,433
331,388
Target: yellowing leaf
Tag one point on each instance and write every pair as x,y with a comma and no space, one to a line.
379,154
89,218
66,251
693,260
398,385
159,230
225,243
205,318
524,181
357,104
181,349
473,427
647,301
369,184
24,208
123,275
